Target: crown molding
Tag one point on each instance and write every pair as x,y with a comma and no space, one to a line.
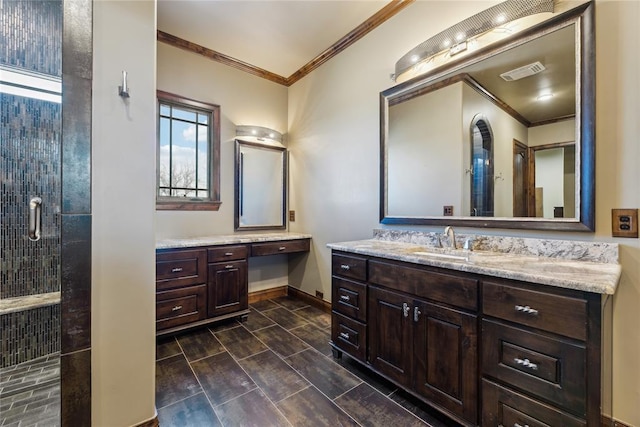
391,9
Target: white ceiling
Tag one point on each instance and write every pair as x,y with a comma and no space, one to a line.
278,36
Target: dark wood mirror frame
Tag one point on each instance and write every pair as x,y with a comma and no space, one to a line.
238,184
583,16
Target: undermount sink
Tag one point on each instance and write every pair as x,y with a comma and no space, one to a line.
450,255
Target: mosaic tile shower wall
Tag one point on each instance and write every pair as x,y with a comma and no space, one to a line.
31,34
28,334
29,166
30,157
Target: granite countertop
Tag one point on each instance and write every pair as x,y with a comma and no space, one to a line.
590,276
228,239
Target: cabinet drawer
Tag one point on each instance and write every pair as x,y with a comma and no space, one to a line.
504,407
349,298
180,306
446,288
349,266
227,253
553,313
349,335
282,247
551,369
180,268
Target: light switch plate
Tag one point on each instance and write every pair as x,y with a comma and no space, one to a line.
624,223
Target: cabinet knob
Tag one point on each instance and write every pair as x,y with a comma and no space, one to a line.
416,314
176,270
527,310
345,297
228,266
228,254
282,248
176,308
345,267
526,363
405,309
344,335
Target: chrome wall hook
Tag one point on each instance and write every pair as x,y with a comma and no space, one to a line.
123,90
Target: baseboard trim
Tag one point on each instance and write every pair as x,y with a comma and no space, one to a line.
153,422
610,422
310,299
280,291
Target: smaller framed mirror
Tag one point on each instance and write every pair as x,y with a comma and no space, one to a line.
260,186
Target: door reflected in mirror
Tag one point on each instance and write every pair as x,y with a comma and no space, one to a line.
260,186
483,144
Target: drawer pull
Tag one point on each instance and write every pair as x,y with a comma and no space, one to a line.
526,363
228,254
405,309
228,266
416,314
345,297
526,309
344,335
345,267
176,270
176,308
282,248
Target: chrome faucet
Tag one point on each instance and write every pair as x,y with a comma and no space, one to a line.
451,235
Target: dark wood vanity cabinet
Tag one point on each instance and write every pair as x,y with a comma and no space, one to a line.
228,287
227,284
425,346
482,350
198,286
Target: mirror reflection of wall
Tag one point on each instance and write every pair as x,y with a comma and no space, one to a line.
555,182
260,186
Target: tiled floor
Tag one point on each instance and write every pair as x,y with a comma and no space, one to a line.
276,369
30,393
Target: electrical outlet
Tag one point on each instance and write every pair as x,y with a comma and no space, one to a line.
292,216
319,294
447,210
624,223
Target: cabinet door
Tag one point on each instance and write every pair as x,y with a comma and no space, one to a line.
446,363
227,288
390,343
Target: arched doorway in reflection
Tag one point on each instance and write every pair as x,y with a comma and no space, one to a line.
481,167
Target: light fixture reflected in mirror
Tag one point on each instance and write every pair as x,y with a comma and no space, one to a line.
259,133
469,35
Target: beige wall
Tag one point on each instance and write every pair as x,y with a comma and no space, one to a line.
424,154
123,235
244,99
333,126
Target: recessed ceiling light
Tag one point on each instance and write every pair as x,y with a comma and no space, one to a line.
415,58
460,37
447,43
501,18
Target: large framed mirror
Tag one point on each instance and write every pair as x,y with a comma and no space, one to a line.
463,145
260,186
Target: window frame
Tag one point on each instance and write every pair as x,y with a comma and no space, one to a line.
213,202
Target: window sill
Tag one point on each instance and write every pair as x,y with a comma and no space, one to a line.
187,206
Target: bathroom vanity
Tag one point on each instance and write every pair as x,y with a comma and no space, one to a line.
508,336
203,280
